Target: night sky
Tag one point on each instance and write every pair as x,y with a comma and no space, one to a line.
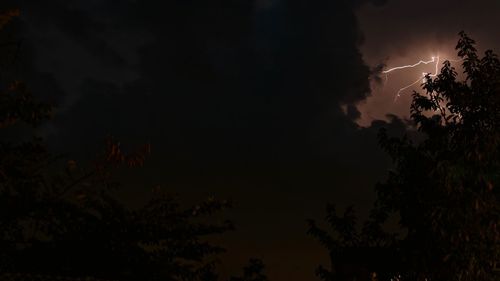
274,104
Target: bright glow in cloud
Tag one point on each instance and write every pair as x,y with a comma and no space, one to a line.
435,60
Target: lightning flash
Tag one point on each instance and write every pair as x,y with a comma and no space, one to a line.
434,60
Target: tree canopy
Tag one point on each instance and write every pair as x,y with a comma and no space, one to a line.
444,188
63,220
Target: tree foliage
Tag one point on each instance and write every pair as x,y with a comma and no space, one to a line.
254,271
65,220
443,188
355,254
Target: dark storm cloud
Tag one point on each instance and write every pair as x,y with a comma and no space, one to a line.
406,26
17,62
218,74
76,24
238,97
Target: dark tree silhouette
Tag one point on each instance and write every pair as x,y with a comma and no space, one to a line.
254,271
69,223
65,223
356,254
443,188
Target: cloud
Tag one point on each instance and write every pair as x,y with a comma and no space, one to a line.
79,25
238,98
233,82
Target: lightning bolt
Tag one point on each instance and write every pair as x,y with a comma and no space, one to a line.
410,65
434,60
398,94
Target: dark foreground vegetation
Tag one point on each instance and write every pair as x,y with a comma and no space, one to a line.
443,189
61,221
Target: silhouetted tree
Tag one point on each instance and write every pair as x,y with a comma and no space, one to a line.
356,254
254,271
66,222
443,188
